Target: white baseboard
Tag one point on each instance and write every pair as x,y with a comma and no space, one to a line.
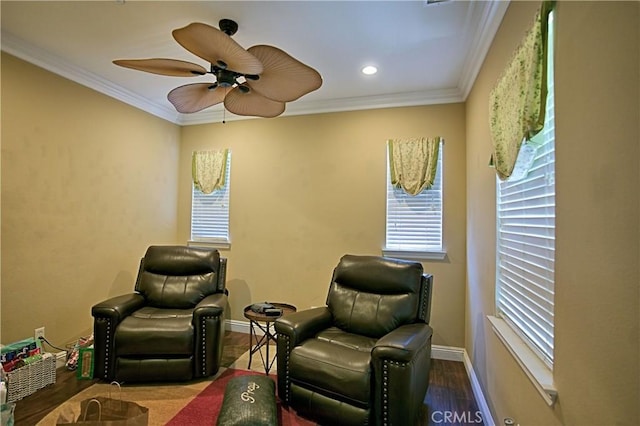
450,353
237,326
447,353
477,392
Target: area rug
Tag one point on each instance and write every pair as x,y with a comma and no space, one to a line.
257,361
205,407
192,403
164,401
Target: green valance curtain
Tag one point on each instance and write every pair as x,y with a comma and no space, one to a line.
208,169
413,162
517,102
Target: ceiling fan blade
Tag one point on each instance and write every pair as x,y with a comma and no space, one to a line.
217,48
171,67
252,103
284,78
196,97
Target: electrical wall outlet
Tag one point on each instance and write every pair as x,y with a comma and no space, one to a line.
38,333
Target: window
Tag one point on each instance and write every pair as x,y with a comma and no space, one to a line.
414,223
526,240
210,214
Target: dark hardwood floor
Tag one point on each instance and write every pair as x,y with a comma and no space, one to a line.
449,400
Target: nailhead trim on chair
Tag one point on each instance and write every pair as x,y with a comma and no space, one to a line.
203,325
287,397
385,384
385,387
425,301
107,346
204,341
385,391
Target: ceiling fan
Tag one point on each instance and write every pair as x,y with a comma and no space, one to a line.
253,82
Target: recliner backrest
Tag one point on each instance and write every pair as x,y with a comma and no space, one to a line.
178,277
371,295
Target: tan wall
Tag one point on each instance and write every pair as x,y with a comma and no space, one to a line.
597,298
305,190
87,184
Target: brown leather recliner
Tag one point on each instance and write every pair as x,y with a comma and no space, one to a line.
172,327
365,357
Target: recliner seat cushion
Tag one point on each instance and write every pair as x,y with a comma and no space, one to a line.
153,332
353,341
333,370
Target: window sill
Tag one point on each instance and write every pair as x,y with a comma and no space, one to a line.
222,245
415,255
537,371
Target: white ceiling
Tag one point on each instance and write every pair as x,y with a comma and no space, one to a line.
425,53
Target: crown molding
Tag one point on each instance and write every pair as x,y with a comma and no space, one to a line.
492,15
50,62
430,97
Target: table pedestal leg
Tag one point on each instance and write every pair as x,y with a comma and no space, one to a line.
267,337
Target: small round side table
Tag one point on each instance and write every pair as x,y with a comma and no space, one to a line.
264,323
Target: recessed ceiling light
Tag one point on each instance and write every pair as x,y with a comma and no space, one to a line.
369,70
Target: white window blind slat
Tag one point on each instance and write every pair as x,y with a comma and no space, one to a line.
525,278
210,212
414,223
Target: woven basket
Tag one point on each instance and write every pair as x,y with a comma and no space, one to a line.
24,381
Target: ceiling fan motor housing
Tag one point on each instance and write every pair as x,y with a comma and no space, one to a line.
226,78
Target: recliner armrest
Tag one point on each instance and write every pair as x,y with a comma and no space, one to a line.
212,305
119,307
403,343
303,325
108,314
401,363
291,330
208,323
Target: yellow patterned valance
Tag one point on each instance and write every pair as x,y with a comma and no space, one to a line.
413,163
208,169
517,103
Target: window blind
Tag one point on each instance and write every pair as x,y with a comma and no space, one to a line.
526,243
210,212
414,223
